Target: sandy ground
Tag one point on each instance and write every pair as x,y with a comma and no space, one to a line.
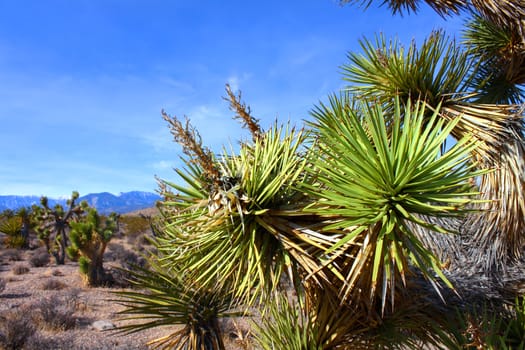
62,285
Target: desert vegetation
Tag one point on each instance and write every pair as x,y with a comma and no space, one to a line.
45,305
362,229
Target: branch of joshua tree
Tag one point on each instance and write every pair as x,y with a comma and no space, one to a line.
250,228
374,181
442,7
507,13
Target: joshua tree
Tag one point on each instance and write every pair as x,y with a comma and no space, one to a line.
482,81
279,209
53,224
354,208
89,238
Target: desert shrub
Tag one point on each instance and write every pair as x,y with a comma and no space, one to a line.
56,313
20,269
38,342
15,241
57,273
114,252
53,284
137,241
135,225
16,328
39,258
128,261
13,228
12,255
2,284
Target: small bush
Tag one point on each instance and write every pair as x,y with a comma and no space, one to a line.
12,255
115,252
39,258
53,284
57,273
16,328
55,313
128,260
135,225
13,227
38,342
15,241
20,269
2,284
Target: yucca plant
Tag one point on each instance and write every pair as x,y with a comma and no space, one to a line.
16,225
375,173
286,326
441,73
240,215
167,299
12,227
350,210
502,12
324,323
501,61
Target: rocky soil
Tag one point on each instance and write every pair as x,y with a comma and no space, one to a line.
49,307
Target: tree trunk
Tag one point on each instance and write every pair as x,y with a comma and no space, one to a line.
96,275
25,232
60,255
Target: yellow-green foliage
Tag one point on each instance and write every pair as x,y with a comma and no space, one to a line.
89,239
12,227
83,264
135,224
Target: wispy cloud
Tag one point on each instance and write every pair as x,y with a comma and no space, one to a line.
163,165
235,81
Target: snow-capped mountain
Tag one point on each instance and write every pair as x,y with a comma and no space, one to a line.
105,202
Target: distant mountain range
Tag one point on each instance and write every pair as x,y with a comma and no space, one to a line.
105,202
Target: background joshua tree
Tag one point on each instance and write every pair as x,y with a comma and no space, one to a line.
89,239
53,224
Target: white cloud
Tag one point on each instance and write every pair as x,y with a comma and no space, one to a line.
236,80
163,165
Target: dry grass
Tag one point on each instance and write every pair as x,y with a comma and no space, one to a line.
20,269
48,306
57,312
40,257
9,255
16,327
53,284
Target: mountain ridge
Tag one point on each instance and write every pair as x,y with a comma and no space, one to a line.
104,202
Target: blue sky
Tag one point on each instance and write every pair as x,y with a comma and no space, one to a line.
82,82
